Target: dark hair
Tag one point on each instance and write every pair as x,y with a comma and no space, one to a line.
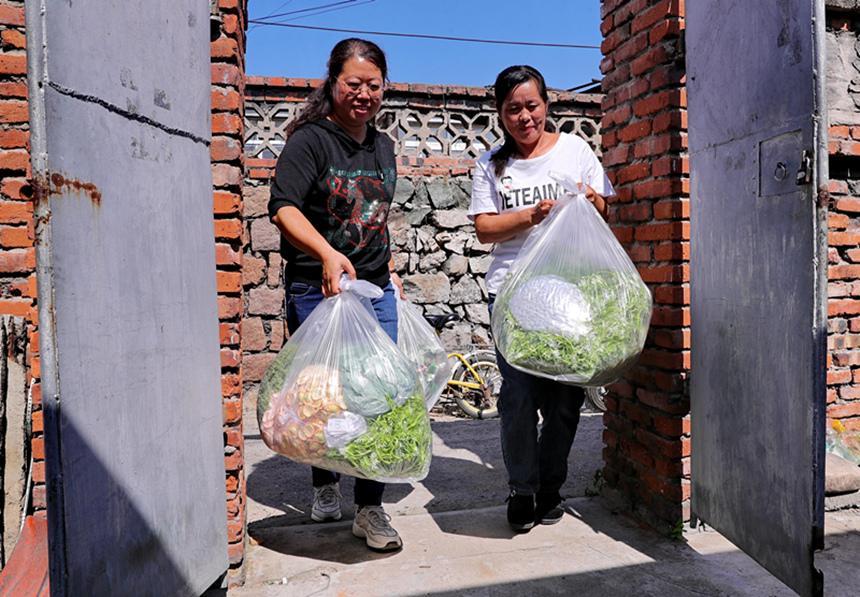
506,82
320,103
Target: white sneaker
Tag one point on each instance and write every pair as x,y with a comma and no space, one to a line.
371,524
326,503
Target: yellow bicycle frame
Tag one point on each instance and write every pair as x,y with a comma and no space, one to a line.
470,369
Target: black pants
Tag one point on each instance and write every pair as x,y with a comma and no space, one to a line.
536,458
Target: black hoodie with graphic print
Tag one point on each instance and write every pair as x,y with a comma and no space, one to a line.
344,188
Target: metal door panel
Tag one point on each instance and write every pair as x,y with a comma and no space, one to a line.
758,376
755,60
134,56
128,317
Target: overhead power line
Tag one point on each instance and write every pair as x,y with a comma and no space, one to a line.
295,12
310,11
324,11
425,36
280,6
270,15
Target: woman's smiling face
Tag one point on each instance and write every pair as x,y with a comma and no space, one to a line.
357,93
524,113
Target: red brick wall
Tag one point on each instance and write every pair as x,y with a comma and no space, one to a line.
647,435
228,89
843,376
17,244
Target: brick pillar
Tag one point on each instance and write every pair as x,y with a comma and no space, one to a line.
843,66
647,435
17,237
228,89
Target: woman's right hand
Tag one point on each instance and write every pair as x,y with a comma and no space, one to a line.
334,264
540,211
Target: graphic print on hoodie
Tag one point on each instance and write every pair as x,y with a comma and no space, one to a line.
344,188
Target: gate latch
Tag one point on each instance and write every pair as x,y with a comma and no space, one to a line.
804,173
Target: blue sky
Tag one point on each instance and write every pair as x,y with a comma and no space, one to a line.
278,51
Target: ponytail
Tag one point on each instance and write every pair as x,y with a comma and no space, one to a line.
500,157
318,105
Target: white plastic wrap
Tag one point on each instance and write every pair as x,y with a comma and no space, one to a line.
573,308
343,428
417,340
341,396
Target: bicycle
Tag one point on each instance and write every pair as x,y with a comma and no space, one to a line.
475,379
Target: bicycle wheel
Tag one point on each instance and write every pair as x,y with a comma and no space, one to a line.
481,402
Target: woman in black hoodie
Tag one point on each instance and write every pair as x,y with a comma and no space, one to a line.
334,182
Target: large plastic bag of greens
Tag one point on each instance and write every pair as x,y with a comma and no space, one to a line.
417,340
573,308
341,396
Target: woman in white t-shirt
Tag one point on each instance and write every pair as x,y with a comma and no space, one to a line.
512,191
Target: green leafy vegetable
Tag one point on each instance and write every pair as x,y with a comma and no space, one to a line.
396,444
620,307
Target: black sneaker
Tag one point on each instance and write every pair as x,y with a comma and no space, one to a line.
548,508
521,511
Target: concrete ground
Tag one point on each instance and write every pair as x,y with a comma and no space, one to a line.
456,540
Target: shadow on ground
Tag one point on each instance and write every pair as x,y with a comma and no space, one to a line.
591,552
464,546
467,473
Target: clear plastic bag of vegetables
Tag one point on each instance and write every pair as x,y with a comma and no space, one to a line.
341,396
573,308
419,342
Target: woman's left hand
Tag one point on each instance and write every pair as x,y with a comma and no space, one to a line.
398,284
595,198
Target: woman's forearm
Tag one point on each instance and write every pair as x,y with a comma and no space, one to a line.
496,228
301,233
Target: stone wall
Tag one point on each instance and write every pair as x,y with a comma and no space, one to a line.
438,132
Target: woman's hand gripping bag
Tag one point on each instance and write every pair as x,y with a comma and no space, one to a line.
573,308
417,340
341,396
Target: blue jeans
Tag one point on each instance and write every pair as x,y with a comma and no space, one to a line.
536,459
301,300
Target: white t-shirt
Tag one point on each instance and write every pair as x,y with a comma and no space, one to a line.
526,182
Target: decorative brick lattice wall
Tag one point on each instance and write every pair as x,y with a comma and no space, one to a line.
228,88
645,152
843,378
438,132
17,236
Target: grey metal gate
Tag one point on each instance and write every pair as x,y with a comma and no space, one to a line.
128,317
757,122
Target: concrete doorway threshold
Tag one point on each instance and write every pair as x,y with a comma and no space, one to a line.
456,540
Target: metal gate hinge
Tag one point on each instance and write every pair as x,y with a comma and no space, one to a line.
804,173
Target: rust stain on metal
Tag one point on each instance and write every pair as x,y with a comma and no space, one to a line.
823,197
54,183
60,183
41,190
